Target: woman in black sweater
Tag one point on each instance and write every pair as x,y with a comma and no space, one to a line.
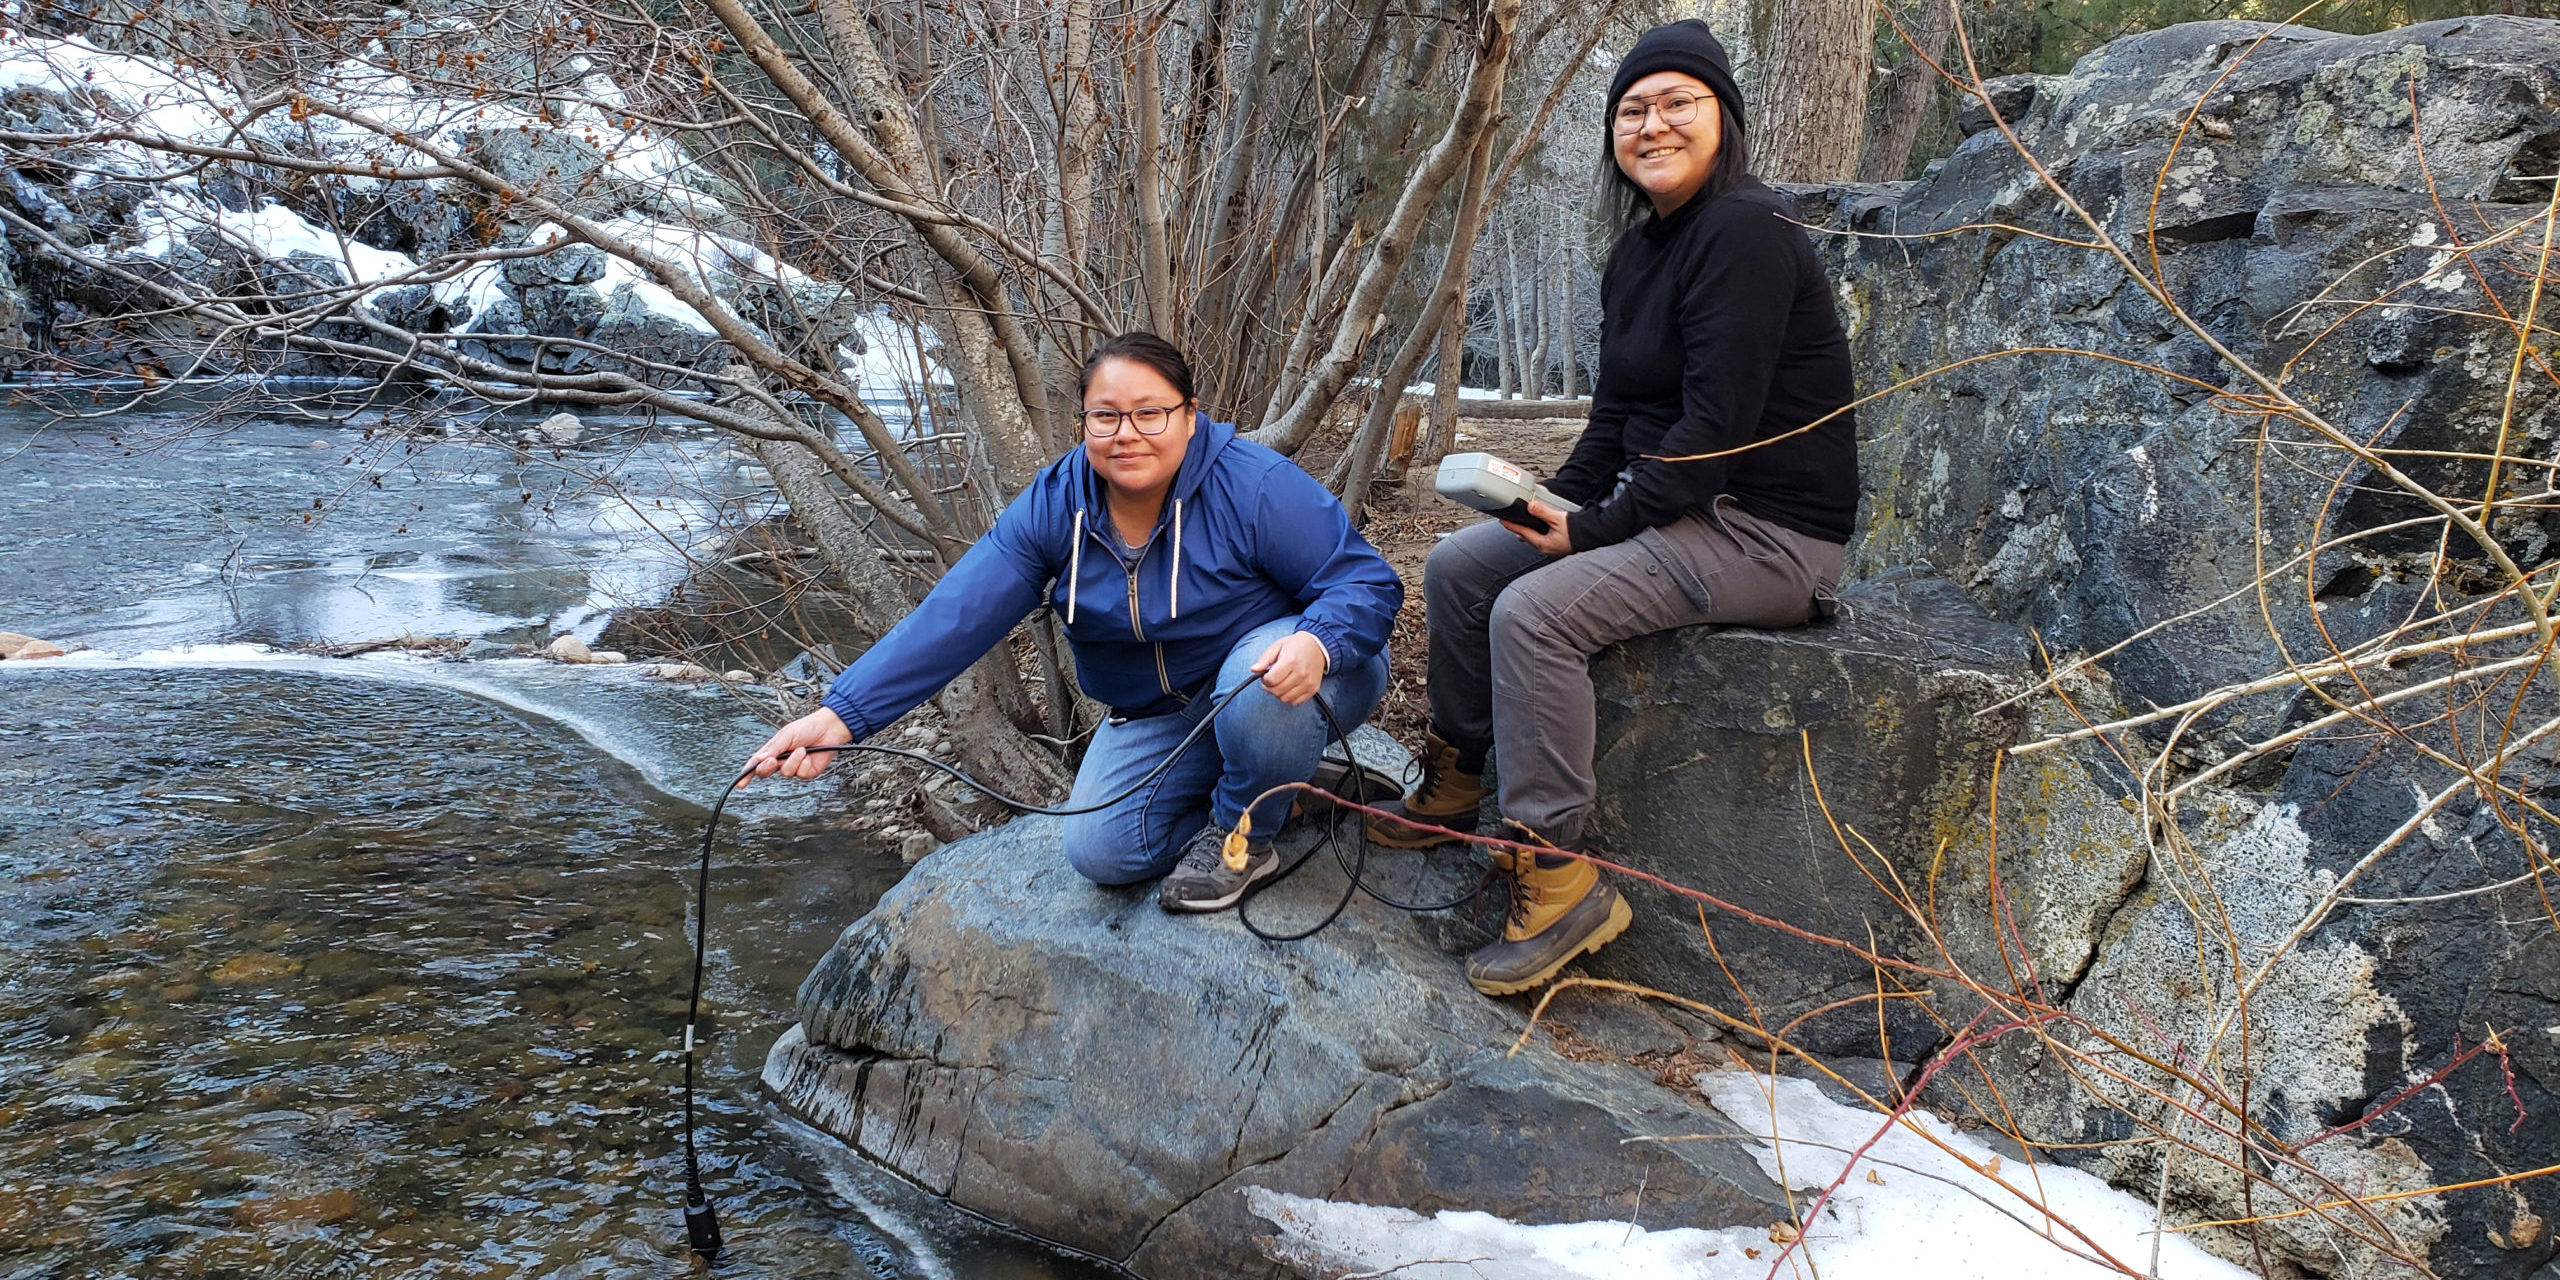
1719,345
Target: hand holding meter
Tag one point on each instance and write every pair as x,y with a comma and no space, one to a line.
1497,488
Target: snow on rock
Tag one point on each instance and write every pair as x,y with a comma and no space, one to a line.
589,153
893,360
1328,1238
562,428
174,215
146,94
73,85
1924,1202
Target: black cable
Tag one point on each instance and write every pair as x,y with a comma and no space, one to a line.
702,1225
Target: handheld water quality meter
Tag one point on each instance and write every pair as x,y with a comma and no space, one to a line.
1497,488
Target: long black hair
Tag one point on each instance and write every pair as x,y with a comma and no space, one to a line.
1625,204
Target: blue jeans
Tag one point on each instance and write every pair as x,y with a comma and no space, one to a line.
1256,744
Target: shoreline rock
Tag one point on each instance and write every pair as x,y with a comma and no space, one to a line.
1078,1065
563,428
18,648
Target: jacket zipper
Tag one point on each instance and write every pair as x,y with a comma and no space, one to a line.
1134,628
1164,678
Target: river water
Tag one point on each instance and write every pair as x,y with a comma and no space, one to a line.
322,967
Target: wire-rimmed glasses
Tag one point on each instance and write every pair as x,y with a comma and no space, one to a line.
1677,108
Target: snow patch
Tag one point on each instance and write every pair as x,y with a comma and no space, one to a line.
270,231
145,93
184,655
894,358
1465,392
1923,1202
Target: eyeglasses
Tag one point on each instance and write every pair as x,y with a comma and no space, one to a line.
1150,420
1676,108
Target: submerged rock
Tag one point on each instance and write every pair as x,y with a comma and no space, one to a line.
15,647
255,966
1074,1062
562,428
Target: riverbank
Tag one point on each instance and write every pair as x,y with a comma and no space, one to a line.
373,964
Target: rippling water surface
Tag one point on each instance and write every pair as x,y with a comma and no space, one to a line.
318,969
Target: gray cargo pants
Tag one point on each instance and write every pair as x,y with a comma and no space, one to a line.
1513,631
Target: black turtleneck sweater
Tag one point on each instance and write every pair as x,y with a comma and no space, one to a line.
1716,330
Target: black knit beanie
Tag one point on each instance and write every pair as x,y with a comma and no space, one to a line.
1685,46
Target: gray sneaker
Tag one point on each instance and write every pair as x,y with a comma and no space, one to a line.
1202,882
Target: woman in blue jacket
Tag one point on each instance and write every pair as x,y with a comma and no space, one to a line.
1185,561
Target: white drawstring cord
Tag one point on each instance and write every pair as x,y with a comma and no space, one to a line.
1176,589
1075,565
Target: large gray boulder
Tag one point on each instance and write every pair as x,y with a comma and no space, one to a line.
2117,511
1727,756
1075,1063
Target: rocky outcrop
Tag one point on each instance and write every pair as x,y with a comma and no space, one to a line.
1073,1062
1726,757
110,224
2088,499
2119,510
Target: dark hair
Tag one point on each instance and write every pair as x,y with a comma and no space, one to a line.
1625,204
1140,347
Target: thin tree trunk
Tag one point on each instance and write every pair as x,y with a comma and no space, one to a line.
1511,318
1502,372
1446,307
1541,301
1452,362
1155,256
1479,108
1812,108
1321,292
1201,98
1573,321
1079,136
1907,96
1226,205
1066,233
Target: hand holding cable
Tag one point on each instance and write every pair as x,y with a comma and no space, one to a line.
1293,667
801,749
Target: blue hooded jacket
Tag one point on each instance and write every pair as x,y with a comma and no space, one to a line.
1245,537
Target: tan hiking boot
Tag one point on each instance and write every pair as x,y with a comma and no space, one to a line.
1557,913
1446,797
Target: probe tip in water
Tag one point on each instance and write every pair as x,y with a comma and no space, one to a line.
702,1229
